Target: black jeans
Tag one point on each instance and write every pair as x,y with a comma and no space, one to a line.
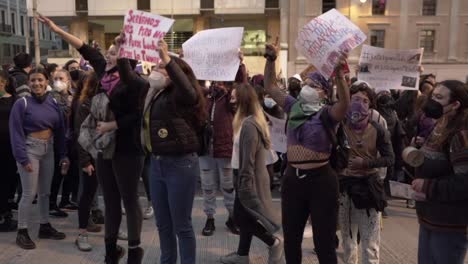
315,195
90,184
8,179
145,176
119,179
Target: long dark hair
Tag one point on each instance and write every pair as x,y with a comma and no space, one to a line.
39,70
89,83
459,121
200,113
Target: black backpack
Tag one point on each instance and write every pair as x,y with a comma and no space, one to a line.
340,147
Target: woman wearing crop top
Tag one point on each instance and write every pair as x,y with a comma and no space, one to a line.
310,187
36,124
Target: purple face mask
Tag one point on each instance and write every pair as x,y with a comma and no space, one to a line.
358,115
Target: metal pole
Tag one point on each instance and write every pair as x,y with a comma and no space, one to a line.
36,35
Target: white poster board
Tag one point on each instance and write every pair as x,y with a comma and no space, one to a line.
401,190
277,133
386,69
142,31
213,54
323,39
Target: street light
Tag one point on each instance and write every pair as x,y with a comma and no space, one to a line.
363,1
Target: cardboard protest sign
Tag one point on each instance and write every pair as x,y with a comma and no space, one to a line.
401,190
323,39
213,54
142,31
386,69
277,134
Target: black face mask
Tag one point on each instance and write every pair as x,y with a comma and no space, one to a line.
40,98
433,109
385,101
75,75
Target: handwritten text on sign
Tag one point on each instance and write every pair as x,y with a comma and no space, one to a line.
142,32
277,133
213,54
386,69
323,39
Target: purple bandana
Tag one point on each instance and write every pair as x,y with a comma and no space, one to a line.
109,81
358,115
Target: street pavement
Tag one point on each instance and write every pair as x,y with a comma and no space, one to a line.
398,241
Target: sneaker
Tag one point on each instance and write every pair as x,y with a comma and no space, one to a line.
97,216
148,213
209,228
135,255
231,225
56,212
46,231
82,242
234,258
68,206
92,227
23,240
411,204
122,235
276,253
7,224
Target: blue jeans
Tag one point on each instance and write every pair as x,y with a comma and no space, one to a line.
172,184
439,247
41,155
216,172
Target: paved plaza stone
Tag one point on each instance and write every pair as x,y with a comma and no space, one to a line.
398,245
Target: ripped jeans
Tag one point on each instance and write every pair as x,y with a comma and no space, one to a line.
216,173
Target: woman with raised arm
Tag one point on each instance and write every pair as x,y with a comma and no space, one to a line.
118,175
310,187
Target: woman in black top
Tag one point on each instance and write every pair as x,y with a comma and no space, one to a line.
118,176
8,161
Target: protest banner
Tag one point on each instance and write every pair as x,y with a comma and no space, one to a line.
325,37
213,54
277,133
401,190
386,69
142,31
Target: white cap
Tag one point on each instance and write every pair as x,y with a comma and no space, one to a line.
297,76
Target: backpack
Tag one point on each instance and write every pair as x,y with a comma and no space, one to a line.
340,147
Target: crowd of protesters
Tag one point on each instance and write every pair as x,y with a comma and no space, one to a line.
103,123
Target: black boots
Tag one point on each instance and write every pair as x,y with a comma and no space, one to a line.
113,253
7,224
23,240
209,228
46,231
135,255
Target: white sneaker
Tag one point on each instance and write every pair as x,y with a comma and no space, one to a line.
82,242
122,235
233,258
148,213
308,231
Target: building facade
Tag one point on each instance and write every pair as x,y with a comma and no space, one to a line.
440,26
15,28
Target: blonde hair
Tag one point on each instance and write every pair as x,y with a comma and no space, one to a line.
248,105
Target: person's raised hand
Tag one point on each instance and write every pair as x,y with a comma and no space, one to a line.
340,66
271,50
163,51
47,21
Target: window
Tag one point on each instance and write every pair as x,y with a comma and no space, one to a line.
429,7
272,4
328,5
3,17
6,50
81,6
207,4
426,40
22,25
13,23
377,38
42,31
378,7
143,5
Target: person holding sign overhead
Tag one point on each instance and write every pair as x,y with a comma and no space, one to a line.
119,175
173,118
310,187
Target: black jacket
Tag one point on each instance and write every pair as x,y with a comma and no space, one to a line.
173,120
20,78
126,100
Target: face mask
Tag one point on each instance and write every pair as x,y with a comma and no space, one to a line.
310,100
75,75
40,98
59,86
156,80
358,114
269,103
385,100
433,109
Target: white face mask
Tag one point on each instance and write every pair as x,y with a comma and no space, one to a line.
310,100
269,103
157,80
60,86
